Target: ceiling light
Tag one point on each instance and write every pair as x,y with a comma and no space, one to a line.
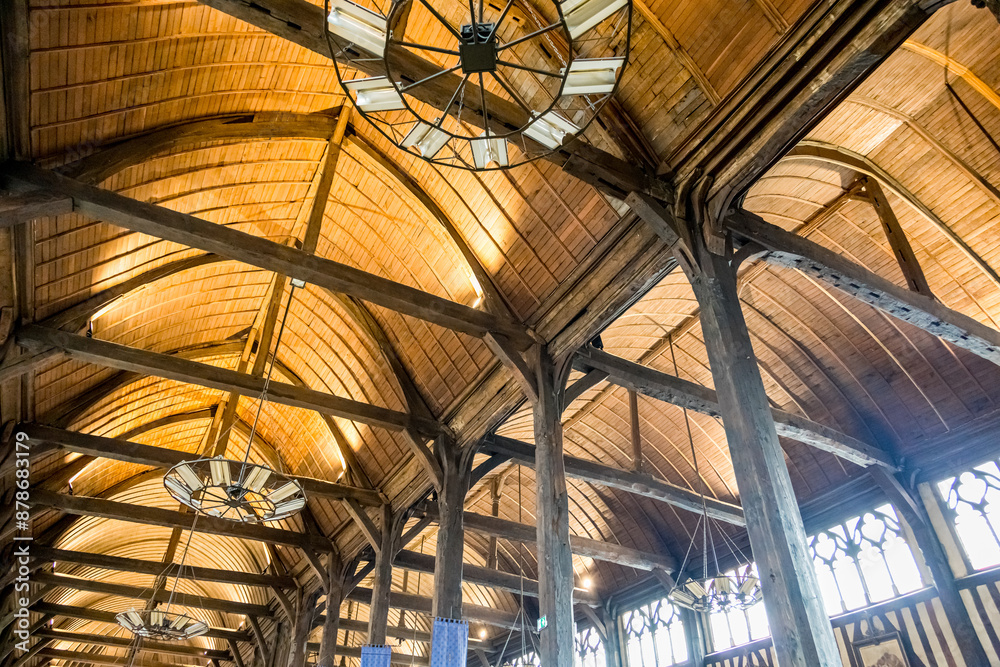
489,150
244,492
582,15
155,624
550,130
357,24
375,94
592,76
490,70
427,139
238,490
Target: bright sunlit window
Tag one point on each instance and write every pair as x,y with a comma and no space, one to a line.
738,626
589,649
654,635
972,500
864,560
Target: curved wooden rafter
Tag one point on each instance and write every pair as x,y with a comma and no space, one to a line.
818,151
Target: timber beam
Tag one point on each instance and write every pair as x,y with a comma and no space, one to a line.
485,576
676,391
125,642
423,605
147,593
154,516
108,617
193,232
624,480
155,568
580,546
93,658
161,457
796,252
113,355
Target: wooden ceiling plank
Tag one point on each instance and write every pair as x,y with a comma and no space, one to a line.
154,516
794,251
680,392
161,457
154,568
194,232
113,355
623,480
144,593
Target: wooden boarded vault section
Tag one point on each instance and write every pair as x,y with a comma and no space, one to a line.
764,285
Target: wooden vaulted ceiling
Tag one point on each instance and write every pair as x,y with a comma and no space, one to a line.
233,111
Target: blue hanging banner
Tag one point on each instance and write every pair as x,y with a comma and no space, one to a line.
375,655
449,643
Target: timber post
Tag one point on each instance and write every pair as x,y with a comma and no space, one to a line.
378,612
331,623
555,560
304,613
800,628
456,475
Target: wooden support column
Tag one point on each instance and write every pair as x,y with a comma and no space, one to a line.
555,560
448,560
800,627
331,624
378,612
694,633
915,514
303,625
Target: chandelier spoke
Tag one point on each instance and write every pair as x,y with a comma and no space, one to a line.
429,78
529,36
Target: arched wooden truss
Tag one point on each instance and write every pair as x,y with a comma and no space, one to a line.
860,198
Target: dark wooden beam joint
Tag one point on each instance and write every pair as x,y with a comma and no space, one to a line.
456,467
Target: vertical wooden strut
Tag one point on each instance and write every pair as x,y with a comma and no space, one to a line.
331,624
801,630
633,409
555,561
303,625
378,612
448,558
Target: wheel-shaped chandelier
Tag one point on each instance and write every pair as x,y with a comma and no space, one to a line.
235,490
738,589
162,625
479,84
239,490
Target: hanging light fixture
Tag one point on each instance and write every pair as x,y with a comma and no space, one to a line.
713,590
475,84
237,489
162,624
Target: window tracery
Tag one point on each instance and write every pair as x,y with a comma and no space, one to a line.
864,560
971,503
589,649
654,635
